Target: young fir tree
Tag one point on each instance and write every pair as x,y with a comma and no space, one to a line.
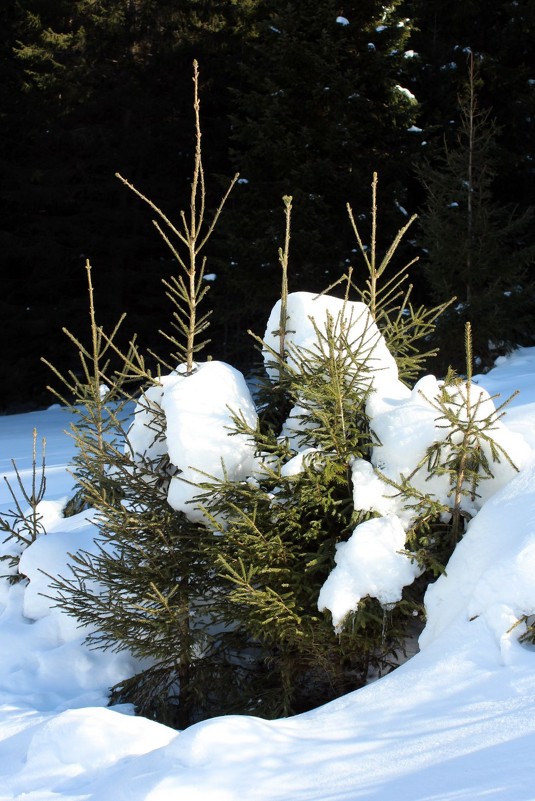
463,457
23,523
147,589
276,534
406,327
475,247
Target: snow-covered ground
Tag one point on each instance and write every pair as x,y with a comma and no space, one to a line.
455,723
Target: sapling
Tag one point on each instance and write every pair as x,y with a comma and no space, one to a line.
466,454
388,296
147,588
186,241
23,523
276,534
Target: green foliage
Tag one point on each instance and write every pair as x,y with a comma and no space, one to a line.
465,457
274,545
468,451
275,535
224,616
98,400
148,589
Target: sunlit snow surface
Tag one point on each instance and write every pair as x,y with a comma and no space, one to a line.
455,723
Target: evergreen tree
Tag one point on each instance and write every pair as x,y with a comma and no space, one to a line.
23,523
148,588
320,100
95,88
499,33
475,246
276,534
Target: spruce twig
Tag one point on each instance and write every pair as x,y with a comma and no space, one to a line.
388,299
23,523
186,291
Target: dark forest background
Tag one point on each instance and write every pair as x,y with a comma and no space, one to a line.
302,98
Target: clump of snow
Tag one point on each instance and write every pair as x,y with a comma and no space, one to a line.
370,493
309,320
80,740
410,427
490,574
515,371
198,411
371,563
43,658
406,430
308,313
296,464
50,557
406,92
145,435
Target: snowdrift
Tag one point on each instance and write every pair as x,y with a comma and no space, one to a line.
455,723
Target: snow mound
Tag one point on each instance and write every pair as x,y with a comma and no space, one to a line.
490,575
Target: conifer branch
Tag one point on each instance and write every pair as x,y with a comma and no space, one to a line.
193,234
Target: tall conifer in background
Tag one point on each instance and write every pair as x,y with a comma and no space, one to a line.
321,102
475,246
500,35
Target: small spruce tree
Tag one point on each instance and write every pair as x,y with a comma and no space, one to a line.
147,589
463,458
23,522
275,535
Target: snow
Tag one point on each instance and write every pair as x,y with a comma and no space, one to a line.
405,430
370,563
310,321
407,92
373,562
494,566
198,411
307,314
454,723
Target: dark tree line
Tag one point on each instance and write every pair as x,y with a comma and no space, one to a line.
306,99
